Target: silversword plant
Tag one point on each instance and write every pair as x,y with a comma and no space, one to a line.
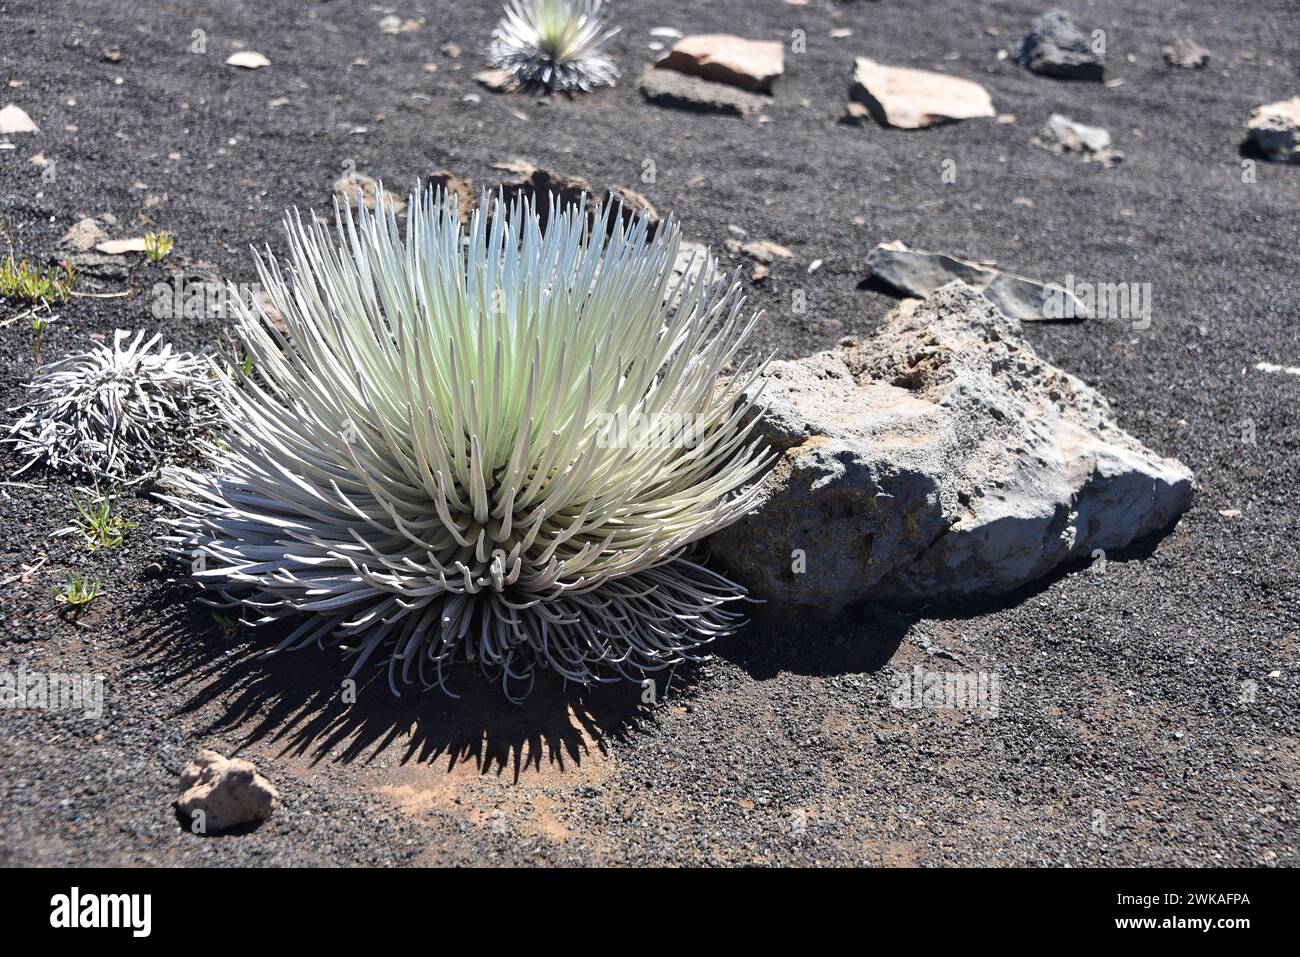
116,412
417,470
557,44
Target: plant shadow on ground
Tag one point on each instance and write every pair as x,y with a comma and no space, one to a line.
293,701
864,637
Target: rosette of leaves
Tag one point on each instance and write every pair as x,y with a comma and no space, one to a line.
557,44
431,465
118,411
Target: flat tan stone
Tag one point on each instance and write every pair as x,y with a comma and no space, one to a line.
765,251
911,99
748,64
116,247
499,81
13,119
82,236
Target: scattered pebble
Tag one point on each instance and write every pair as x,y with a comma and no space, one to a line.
119,247
1186,54
499,81
248,60
1274,367
1092,143
393,25
764,250
14,120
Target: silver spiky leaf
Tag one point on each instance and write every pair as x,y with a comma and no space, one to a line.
116,412
557,44
437,459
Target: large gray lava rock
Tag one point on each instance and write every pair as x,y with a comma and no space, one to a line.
1275,129
1056,47
941,457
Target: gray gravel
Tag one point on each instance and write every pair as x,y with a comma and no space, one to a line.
1138,721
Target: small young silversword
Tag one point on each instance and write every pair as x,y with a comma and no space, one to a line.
557,44
114,413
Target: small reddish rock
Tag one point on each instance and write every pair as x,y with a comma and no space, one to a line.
749,64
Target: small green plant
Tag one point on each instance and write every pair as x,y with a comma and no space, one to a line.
78,592
230,625
24,282
243,368
157,246
39,325
99,523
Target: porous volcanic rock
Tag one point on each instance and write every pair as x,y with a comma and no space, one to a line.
941,457
228,791
1056,47
1275,129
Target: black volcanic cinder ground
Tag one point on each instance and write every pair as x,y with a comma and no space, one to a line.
1126,733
